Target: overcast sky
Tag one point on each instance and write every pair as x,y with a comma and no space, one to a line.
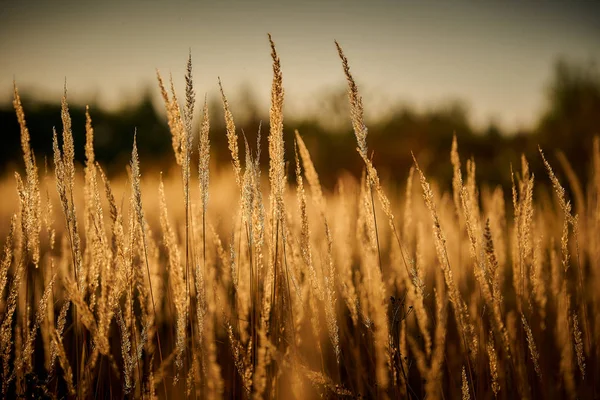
497,56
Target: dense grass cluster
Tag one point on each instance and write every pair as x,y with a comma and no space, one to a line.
277,289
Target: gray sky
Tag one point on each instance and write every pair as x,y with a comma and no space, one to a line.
497,56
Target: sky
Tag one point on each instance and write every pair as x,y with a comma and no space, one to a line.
496,56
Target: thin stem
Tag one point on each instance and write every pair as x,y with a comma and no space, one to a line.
376,230
153,304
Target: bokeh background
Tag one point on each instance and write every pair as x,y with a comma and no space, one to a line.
503,77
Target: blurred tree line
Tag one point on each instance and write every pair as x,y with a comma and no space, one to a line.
568,124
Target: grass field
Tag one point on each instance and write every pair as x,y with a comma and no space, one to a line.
253,285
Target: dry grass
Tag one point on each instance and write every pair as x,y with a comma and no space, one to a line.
109,290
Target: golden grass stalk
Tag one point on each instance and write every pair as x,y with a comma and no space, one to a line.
60,327
242,360
570,220
564,341
203,181
65,181
524,212
305,233
186,141
315,292
94,222
64,362
579,351
265,348
204,158
375,284
344,255
190,97
48,211
247,289
415,295
356,106
68,149
573,182
312,177
564,204
456,182
277,179
473,194
360,131
319,200
408,208
538,284
176,282
250,299
372,289
25,361
478,265
433,376
461,313
493,361
174,119
496,215
535,356
276,149
232,138
331,297
117,280
126,353
458,304
85,314
32,210
496,304
137,198
465,385
6,335
7,254
214,379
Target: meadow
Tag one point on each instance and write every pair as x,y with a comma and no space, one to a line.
254,281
